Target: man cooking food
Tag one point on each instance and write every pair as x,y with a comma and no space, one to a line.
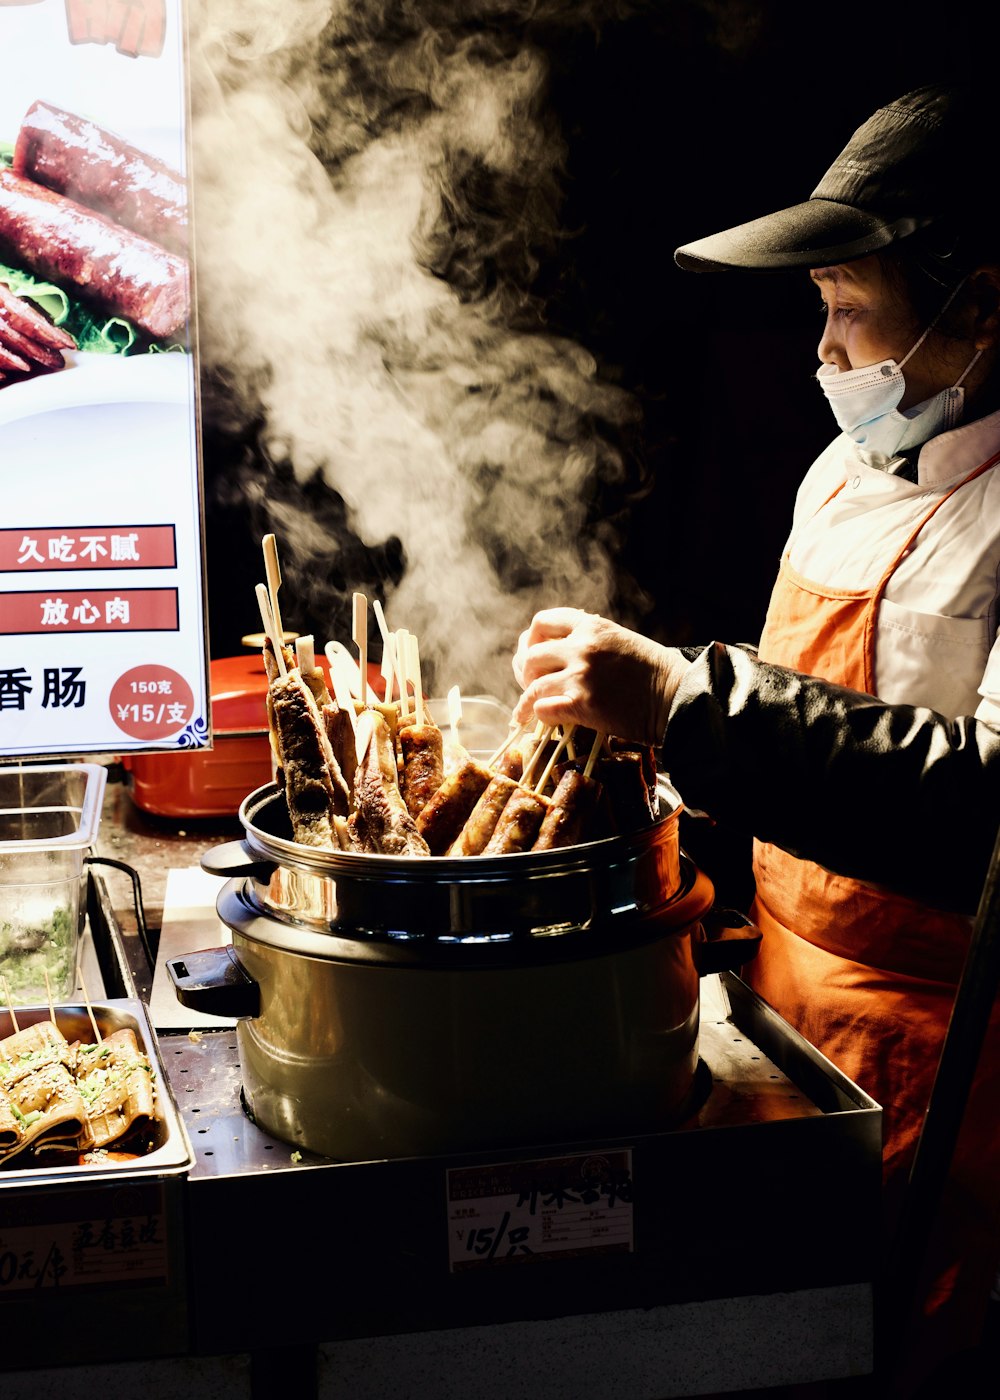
860,743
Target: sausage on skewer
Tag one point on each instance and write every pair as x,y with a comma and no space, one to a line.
482,820
570,815
626,800
519,823
315,790
448,809
422,749
383,823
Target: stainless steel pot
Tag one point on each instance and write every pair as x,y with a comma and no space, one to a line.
397,1006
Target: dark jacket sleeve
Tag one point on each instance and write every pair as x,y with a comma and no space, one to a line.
895,795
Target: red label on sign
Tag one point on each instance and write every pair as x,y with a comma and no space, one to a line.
151,702
88,547
99,610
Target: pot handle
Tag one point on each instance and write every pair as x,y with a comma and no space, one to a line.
723,941
234,858
215,981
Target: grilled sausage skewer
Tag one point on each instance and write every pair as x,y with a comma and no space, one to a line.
381,819
448,809
571,811
315,791
523,812
482,820
422,750
519,822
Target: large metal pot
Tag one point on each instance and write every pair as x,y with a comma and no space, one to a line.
397,1007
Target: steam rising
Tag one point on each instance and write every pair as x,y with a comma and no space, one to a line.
376,188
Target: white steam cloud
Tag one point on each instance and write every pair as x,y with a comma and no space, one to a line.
374,185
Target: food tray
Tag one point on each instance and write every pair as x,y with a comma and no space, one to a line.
171,1153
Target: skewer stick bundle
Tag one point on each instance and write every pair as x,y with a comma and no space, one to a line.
513,734
267,618
557,752
536,753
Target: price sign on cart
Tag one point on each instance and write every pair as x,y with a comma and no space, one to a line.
103,645
554,1207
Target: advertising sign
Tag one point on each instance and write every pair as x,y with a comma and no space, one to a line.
102,599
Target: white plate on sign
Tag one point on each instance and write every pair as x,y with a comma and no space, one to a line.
90,379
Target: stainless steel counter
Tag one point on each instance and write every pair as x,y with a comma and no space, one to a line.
755,1222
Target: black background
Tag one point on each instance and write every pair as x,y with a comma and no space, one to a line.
680,119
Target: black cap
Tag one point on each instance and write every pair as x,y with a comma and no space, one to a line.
902,170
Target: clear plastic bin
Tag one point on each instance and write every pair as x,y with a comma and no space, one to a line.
49,818
483,727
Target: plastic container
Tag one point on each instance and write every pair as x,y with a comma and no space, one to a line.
483,726
49,818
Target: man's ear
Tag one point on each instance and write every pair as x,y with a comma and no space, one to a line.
985,286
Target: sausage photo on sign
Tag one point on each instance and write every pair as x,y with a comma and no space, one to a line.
93,243
79,159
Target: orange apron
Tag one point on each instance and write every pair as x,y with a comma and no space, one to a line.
869,976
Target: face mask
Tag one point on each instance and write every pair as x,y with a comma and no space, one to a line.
864,403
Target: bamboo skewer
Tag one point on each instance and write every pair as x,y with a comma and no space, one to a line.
10,1003
267,618
536,754
595,749
273,573
567,735
342,691
359,632
513,733
305,654
454,712
343,664
48,993
413,670
90,1010
389,663
403,670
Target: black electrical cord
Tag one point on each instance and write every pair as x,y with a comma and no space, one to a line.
140,913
